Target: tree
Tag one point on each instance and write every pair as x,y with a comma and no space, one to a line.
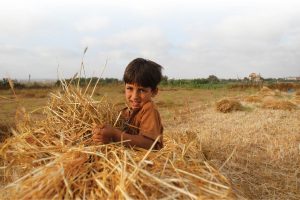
213,79
164,80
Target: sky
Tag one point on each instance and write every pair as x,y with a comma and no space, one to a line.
46,39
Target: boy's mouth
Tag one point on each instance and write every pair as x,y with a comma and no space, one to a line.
135,104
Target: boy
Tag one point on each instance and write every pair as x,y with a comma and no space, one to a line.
143,125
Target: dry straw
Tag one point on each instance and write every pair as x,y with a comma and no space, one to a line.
253,99
228,105
296,98
278,104
265,91
54,158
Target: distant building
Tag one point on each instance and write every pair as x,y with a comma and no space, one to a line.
292,78
256,78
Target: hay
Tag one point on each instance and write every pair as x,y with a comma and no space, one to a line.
284,86
228,105
253,99
263,147
55,158
265,91
296,98
263,94
278,104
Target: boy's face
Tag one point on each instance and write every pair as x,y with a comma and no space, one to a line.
137,96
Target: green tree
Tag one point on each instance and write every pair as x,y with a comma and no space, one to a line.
213,79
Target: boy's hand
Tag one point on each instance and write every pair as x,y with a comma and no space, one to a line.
103,134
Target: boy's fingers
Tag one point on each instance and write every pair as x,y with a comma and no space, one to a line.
98,142
98,139
97,129
102,126
97,136
94,126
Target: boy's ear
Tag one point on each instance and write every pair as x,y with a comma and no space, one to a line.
154,92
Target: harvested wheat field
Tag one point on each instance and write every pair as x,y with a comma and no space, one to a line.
257,149
248,153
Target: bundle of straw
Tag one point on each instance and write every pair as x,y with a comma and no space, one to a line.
265,91
278,104
253,99
228,105
296,98
54,158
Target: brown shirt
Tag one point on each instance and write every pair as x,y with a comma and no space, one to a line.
145,121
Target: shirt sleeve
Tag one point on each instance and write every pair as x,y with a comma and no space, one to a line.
150,125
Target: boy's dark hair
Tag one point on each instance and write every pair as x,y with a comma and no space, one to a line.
145,73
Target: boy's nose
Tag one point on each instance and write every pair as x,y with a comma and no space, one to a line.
135,94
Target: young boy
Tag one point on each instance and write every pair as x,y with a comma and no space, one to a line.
143,122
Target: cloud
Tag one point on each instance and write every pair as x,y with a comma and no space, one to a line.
40,62
121,47
92,24
18,19
196,39
239,43
144,41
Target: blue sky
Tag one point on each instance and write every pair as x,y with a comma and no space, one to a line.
190,39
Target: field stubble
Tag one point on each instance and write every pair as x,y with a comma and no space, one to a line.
257,149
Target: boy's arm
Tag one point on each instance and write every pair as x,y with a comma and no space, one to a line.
106,133
132,140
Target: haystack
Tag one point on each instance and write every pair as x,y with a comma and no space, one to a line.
253,99
296,98
55,159
265,91
278,104
228,105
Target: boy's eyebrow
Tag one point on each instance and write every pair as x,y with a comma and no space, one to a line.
142,88
139,87
132,85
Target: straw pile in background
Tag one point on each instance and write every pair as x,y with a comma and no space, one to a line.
253,99
265,91
228,105
55,158
296,98
278,104
285,86
269,99
260,95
